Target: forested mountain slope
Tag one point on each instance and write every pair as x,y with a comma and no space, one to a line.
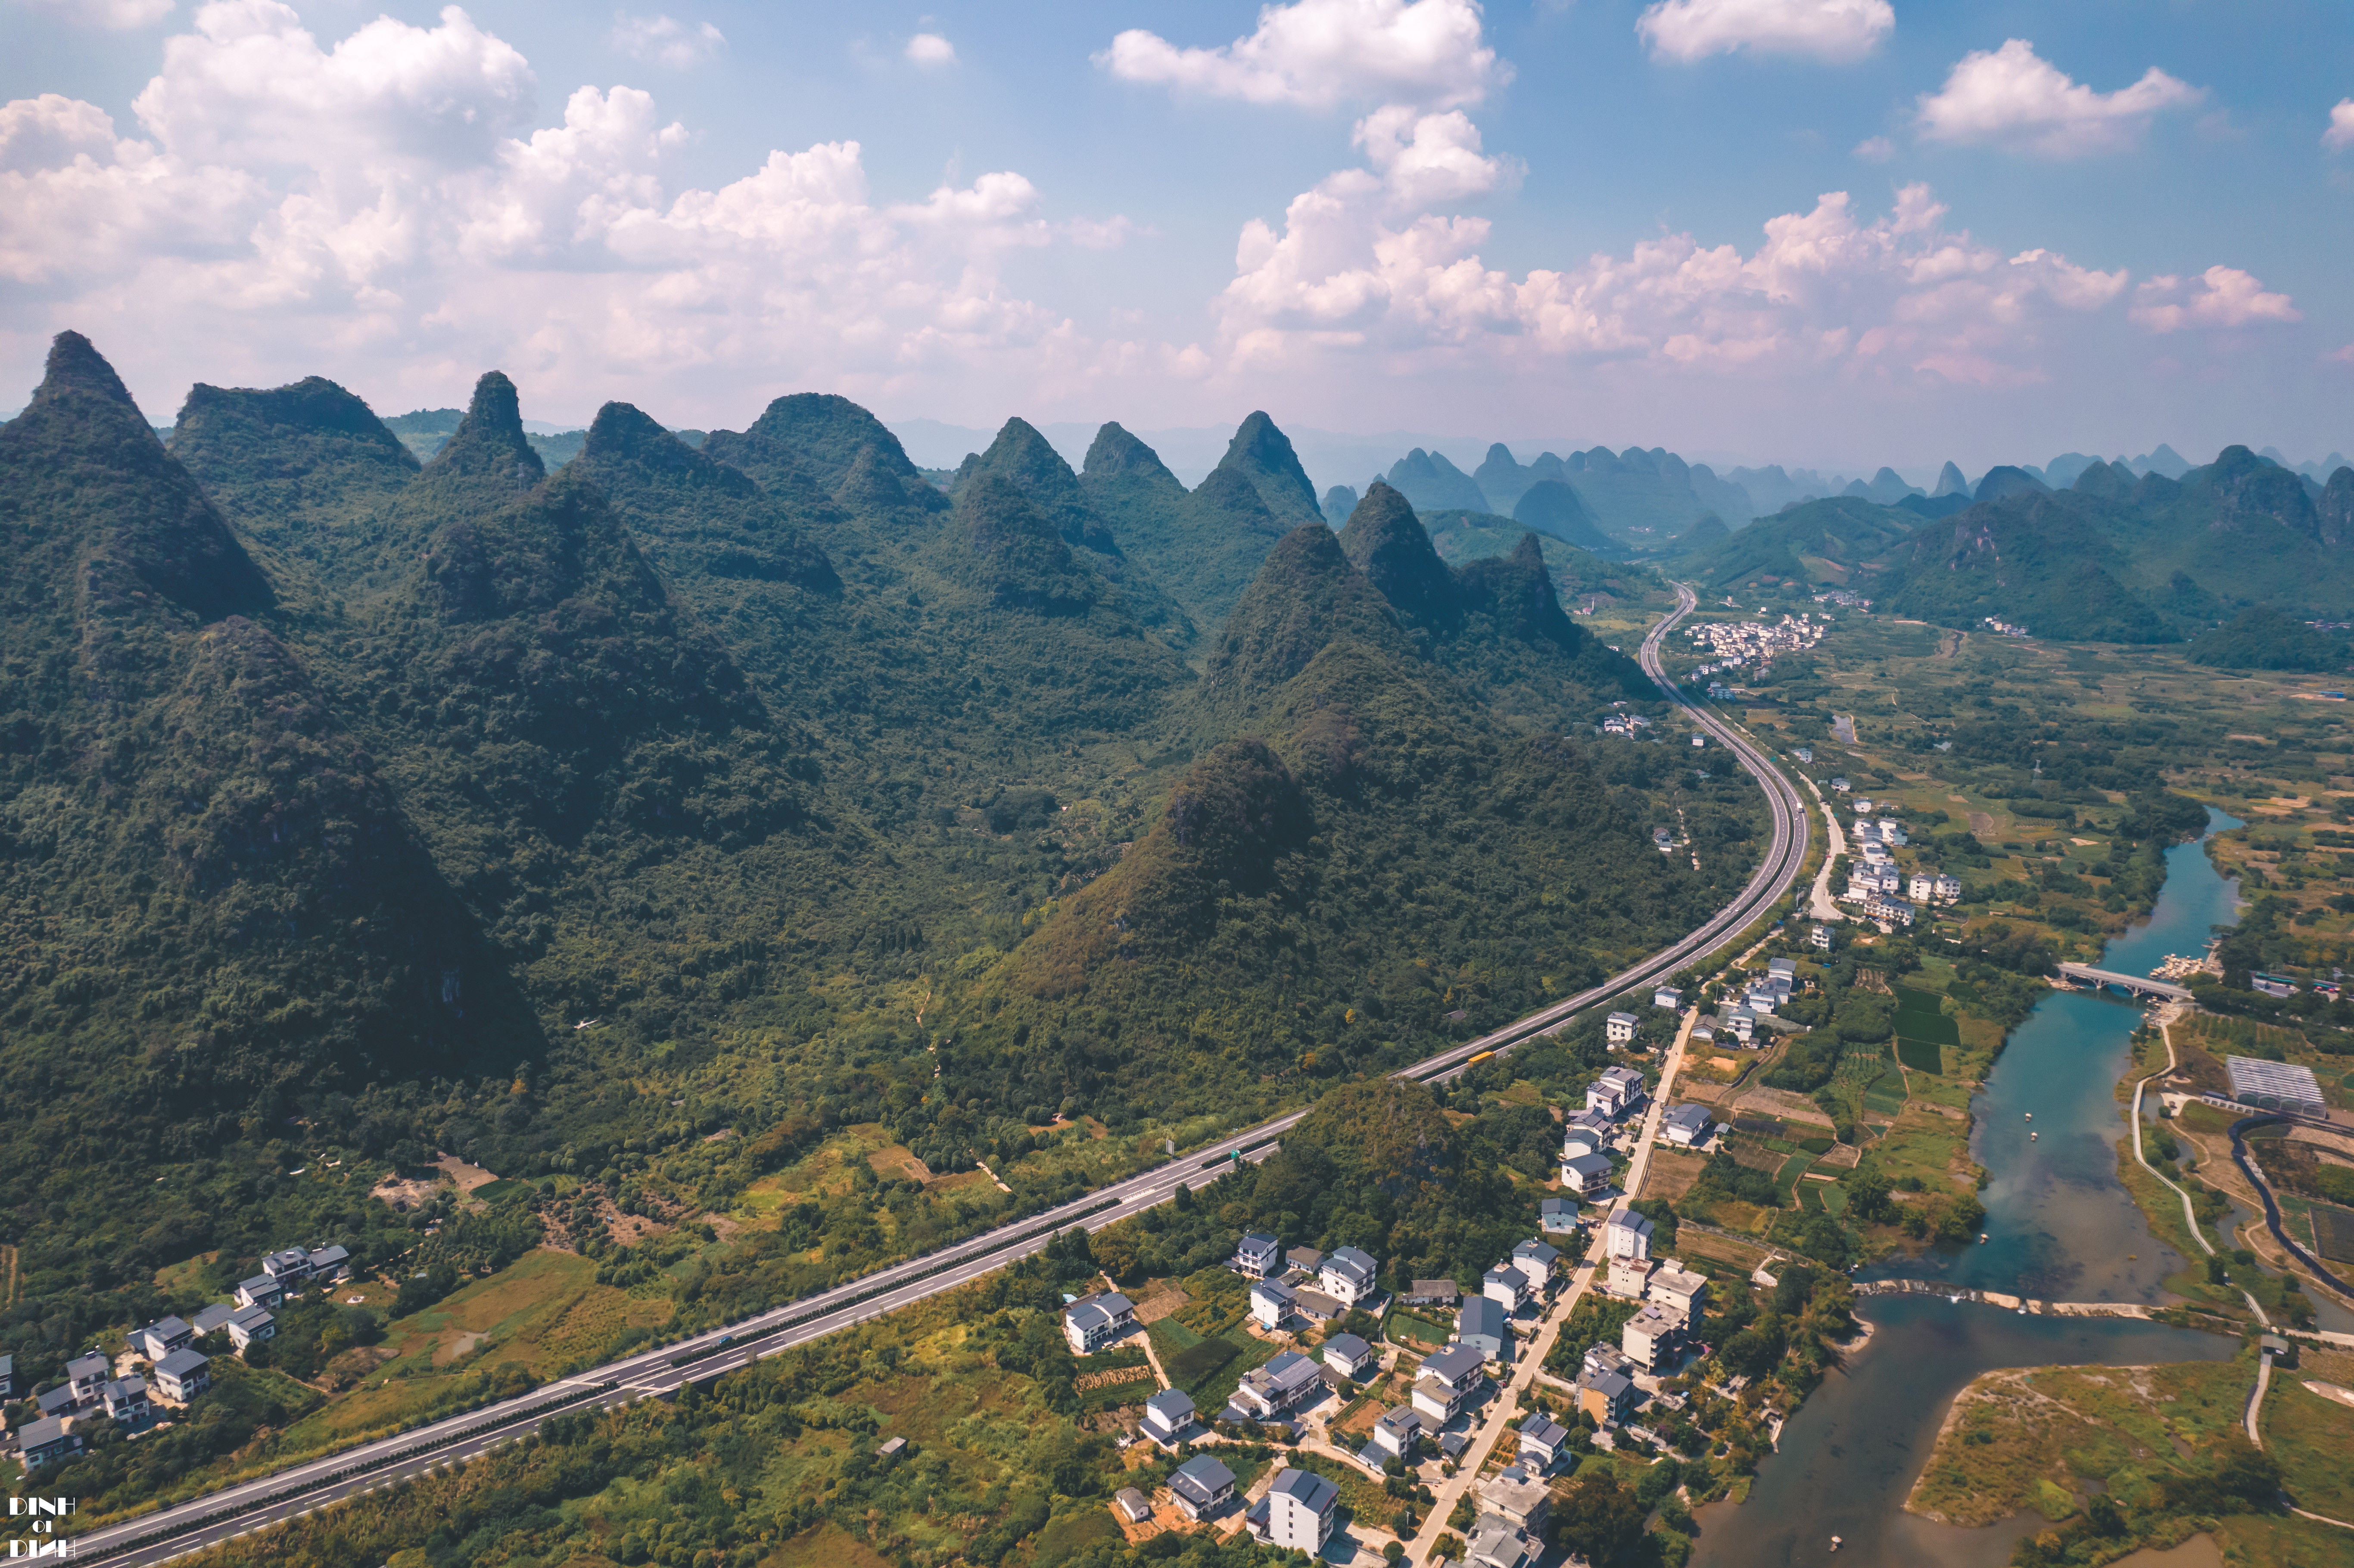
562,820
213,906
1303,902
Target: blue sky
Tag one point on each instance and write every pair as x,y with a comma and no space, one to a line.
2094,226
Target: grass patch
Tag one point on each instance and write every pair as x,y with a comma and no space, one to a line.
2310,1438
2333,1233
1920,1056
1406,1326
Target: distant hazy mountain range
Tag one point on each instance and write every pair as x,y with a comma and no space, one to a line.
2114,556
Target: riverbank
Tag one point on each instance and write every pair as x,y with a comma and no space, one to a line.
2064,1239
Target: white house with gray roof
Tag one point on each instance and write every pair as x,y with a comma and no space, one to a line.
1202,1486
1168,1415
1092,1324
1296,1514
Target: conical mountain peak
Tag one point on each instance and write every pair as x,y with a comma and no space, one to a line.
821,431
1025,459
1117,454
94,512
489,444
624,432
1386,541
1305,597
74,366
1262,454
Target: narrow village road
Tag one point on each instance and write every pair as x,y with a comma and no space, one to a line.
1820,904
1547,1331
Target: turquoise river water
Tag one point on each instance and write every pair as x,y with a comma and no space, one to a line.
2060,1227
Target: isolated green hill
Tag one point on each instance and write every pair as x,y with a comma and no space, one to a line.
1839,542
2264,639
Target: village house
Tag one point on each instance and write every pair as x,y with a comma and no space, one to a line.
1627,1235
1349,1275
1651,1337
1744,1023
1821,938
1687,1127
1617,1091
1315,1306
1608,1396
1587,1175
127,1403
1271,1391
1296,1514
1446,1380
1349,1356
1133,1505
1542,1442
1557,1217
1202,1486
161,1338
1495,1544
1306,1259
1483,1326
1668,997
182,1375
252,1324
1518,1497
1258,1256
1619,1028
1169,1416
1092,1324
1396,1436
262,1290
45,1442
1507,1286
1433,1293
1536,1259
1680,1290
1888,911
87,1376
1271,1302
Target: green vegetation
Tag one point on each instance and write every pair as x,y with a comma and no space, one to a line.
729,846
2122,1459
2112,558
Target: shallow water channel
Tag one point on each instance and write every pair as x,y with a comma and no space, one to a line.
2060,1227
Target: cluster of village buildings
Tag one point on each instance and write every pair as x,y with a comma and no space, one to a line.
117,1391
1754,644
1889,896
1302,1287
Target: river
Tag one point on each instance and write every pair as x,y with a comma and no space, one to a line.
2061,1227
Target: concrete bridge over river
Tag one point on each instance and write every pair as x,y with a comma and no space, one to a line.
2140,985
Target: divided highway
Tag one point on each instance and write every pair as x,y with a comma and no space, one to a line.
238,1511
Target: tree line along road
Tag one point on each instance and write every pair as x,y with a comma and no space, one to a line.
237,1510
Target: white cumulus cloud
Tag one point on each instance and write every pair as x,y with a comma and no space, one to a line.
2340,134
390,207
1350,271
1837,31
1428,53
2012,98
667,40
116,16
2219,297
1875,149
931,49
